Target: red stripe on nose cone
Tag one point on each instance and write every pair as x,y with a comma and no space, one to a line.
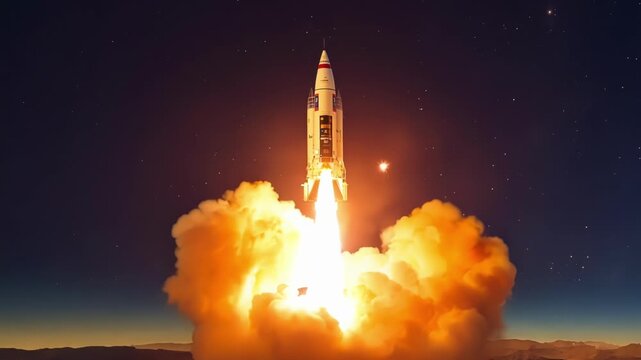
324,66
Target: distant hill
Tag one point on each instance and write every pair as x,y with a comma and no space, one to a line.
601,345
506,349
165,346
632,351
512,349
93,353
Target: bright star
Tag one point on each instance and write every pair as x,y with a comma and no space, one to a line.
383,166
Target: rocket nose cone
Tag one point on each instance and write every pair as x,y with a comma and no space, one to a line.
324,59
324,76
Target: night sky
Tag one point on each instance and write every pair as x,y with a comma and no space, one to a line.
121,117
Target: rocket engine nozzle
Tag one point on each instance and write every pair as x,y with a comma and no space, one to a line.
310,190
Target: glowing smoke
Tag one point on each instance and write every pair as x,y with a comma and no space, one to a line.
434,291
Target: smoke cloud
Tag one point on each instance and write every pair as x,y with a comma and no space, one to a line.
435,289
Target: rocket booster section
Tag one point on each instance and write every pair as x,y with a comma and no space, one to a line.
325,134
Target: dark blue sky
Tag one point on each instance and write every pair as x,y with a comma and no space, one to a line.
121,117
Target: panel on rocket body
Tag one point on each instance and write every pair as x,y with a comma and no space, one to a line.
326,146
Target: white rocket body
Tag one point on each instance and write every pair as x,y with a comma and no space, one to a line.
325,134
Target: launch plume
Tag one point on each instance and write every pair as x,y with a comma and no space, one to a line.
434,289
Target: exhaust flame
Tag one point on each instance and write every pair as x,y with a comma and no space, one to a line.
320,269
434,290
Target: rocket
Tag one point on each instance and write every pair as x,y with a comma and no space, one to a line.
325,134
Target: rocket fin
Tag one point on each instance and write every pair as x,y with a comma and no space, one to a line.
312,193
339,194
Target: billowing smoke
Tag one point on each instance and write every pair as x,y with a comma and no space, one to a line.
435,290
